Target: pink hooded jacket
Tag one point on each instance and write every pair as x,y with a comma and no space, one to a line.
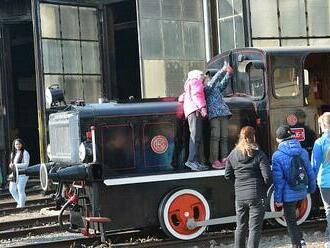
193,97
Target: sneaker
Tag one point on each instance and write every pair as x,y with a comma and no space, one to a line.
194,166
218,165
202,166
303,243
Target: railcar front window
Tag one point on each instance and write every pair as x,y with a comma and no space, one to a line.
286,82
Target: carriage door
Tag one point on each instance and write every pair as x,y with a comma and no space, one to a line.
67,45
287,99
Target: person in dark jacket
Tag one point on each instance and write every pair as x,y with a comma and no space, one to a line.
250,170
284,195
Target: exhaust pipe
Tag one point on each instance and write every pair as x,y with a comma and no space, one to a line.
61,174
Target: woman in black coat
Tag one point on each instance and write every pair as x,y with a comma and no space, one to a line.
250,170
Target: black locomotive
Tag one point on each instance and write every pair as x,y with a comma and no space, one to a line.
125,161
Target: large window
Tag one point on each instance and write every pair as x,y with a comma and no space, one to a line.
230,24
70,48
290,23
286,82
171,42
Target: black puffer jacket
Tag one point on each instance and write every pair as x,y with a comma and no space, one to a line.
252,175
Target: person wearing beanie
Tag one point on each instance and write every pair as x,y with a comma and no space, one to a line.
285,195
321,167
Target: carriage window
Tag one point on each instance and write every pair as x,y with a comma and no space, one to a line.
118,144
286,82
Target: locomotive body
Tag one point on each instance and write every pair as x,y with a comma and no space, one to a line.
126,160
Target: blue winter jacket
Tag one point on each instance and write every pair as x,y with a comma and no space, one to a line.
281,161
216,106
320,164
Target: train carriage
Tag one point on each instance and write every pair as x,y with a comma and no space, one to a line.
126,160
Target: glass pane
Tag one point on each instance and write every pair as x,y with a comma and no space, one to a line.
52,80
175,77
226,34
151,35
71,57
69,22
192,10
154,78
256,86
225,8
92,88
294,42
173,47
319,42
238,8
149,8
88,24
171,9
318,17
266,43
50,21
193,40
239,31
73,88
91,57
264,18
286,82
293,21
52,56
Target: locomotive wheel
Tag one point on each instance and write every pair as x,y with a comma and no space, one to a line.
179,206
302,212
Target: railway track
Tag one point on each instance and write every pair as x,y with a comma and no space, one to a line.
138,239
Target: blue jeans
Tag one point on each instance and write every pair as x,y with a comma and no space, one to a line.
249,216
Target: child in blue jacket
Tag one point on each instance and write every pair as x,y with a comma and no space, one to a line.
284,195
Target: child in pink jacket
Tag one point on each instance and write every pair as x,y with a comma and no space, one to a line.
194,106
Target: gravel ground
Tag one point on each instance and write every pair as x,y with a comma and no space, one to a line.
313,240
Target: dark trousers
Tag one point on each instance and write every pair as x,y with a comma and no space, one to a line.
249,217
195,122
219,136
290,217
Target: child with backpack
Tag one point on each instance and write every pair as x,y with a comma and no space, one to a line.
293,178
321,167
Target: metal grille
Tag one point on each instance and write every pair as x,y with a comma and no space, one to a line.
64,137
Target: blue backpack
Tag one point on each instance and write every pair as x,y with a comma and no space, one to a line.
296,175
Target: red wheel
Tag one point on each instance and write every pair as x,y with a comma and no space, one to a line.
302,212
179,206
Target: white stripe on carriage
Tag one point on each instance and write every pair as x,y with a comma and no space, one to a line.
163,177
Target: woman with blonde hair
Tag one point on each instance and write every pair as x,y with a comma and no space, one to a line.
250,170
321,166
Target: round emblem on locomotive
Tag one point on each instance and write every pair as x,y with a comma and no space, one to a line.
159,144
292,119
